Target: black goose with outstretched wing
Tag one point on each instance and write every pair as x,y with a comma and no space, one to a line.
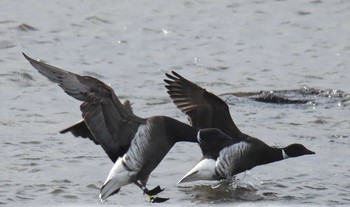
107,120
204,109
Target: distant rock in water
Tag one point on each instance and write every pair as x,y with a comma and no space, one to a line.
26,27
294,96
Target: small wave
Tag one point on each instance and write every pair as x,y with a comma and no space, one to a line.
225,191
93,186
96,20
93,74
23,79
57,191
316,188
31,142
71,197
6,44
26,27
61,181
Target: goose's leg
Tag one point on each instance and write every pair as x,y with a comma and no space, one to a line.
150,193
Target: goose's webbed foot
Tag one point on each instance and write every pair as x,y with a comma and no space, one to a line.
153,199
153,191
150,193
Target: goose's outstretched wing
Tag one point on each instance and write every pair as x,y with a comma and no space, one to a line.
239,157
205,110
110,123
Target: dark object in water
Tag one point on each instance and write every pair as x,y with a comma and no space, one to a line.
295,96
276,99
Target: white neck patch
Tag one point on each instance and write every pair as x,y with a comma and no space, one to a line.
284,155
199,136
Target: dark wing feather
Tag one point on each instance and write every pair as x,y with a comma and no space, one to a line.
80,128
205,110
111,124
212,141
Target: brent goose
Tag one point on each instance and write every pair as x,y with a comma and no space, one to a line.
229,155
137,144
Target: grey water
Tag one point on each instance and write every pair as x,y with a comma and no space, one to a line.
228,47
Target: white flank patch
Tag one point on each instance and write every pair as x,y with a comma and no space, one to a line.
204,170
117,177
199,136
284,155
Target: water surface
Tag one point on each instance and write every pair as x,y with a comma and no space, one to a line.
224,46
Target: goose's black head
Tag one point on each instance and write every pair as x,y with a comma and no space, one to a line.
296,150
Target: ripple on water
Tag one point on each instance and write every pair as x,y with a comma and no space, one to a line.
72,197
30,142
4,44
57,191
26,27
25,192
22,79
316,188
226,191
61,181
93,186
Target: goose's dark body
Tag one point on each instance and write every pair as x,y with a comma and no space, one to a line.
228,156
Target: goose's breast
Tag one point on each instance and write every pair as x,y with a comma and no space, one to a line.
147,149
235,159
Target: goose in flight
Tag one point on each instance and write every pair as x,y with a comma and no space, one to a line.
224,156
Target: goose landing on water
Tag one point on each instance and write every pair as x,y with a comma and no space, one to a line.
238,157
227,155
136,144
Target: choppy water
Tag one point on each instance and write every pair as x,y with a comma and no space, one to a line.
225,46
